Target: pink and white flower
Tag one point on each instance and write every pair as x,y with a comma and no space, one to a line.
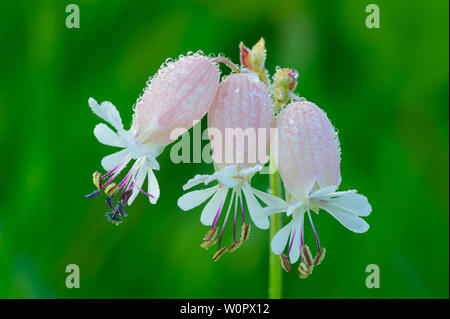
180,93
242,102
309,165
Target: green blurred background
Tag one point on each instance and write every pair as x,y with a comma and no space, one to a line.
386,90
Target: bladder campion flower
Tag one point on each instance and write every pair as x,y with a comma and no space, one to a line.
242,104
180,93
309,165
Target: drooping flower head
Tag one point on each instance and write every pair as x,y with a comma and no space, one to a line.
309,165
180,93
239,123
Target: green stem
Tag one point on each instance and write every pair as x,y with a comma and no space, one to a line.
275,271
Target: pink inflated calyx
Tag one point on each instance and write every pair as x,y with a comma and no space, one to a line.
180,93
242,113
309,152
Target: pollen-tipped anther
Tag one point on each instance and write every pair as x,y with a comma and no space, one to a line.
111,189
304,271
245,231
307,256
320,256
285,263
210,238
234,246
94,194
97,179
110,202
219,253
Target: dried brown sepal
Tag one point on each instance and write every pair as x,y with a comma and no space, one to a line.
304,271
111,189
234,246
219,253
307,256
285,263
97,179
320,256
245,231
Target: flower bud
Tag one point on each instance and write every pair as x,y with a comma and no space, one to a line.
284,82
255,58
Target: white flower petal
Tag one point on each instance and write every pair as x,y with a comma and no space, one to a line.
280,239
152,163
270,210
197,179
114,159
250,170
269,199
210,210
108,112
293,207
323,192
153,187
226,176
138,181
295,250
254,208
348,220
342,193
294,254
195,198
107,136
353,203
